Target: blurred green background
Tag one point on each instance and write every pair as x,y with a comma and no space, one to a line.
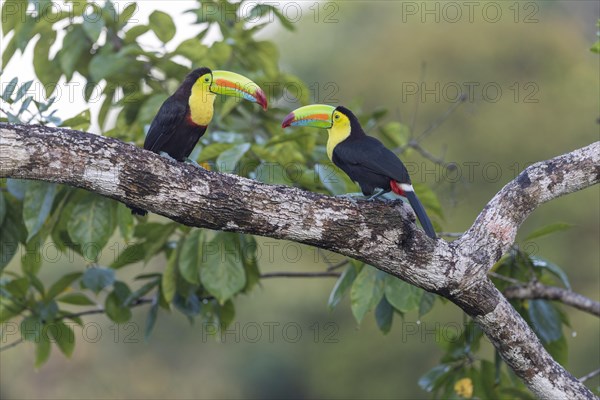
369,54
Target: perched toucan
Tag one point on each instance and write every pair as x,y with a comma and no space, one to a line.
183,117
365,159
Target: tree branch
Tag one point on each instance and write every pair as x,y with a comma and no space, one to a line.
537,290
382,234
300,274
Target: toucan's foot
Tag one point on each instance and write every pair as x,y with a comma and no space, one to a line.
166,155
194,163
377,195
350,196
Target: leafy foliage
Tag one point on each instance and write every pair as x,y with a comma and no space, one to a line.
204,270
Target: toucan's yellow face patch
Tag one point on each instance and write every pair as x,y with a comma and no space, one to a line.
201,100
339,131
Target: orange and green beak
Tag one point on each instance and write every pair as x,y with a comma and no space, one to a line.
236,85
316,115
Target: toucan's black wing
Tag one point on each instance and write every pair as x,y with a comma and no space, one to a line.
167,121
368,154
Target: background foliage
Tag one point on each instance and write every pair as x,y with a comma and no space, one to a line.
203,275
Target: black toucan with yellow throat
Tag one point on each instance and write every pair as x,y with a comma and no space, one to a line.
182,119
365,159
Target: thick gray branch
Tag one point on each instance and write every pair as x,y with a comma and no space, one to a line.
537,290
381,234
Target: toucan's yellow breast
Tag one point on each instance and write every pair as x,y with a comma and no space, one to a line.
201,104
337,134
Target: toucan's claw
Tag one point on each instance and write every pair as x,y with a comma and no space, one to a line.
377,195
194,163
166,155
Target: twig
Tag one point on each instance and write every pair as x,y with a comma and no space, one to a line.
451,234
11,345
300,275
537,290
338,265
590,375
505,278
138,302
439,121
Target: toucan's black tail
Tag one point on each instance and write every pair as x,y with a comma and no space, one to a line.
421,214
137,211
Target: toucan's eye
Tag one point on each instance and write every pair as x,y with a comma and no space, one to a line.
206,79
337,116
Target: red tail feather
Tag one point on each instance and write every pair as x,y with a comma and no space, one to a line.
396,188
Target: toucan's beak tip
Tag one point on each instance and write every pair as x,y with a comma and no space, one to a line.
261,98
288,120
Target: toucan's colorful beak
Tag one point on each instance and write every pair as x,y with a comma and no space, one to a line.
232,84
316,115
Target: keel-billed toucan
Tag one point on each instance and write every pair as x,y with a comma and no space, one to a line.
183,117
365,159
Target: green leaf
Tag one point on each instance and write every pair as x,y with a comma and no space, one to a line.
2,208
384,314
330,178
213,150
133,253
596,47
80,122
136,31
190,257
553,268
31,328
366,292
127,13
559,350
108,65
42,350
64,337
433,377
73,47
227,160
426,304
169,278
47,70
150,107
188,305
13,14
114,304
92,25
78,299
156,236
162,25
97,278
23,90
12,232
9,89
222,272
545,320
192,49
37,205
17,187
141,292
91,223
397,134
403,296
151,320
547,230
249,260
342,285
126,221
226,314
31,258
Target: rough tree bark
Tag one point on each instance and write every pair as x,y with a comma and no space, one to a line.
381,234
